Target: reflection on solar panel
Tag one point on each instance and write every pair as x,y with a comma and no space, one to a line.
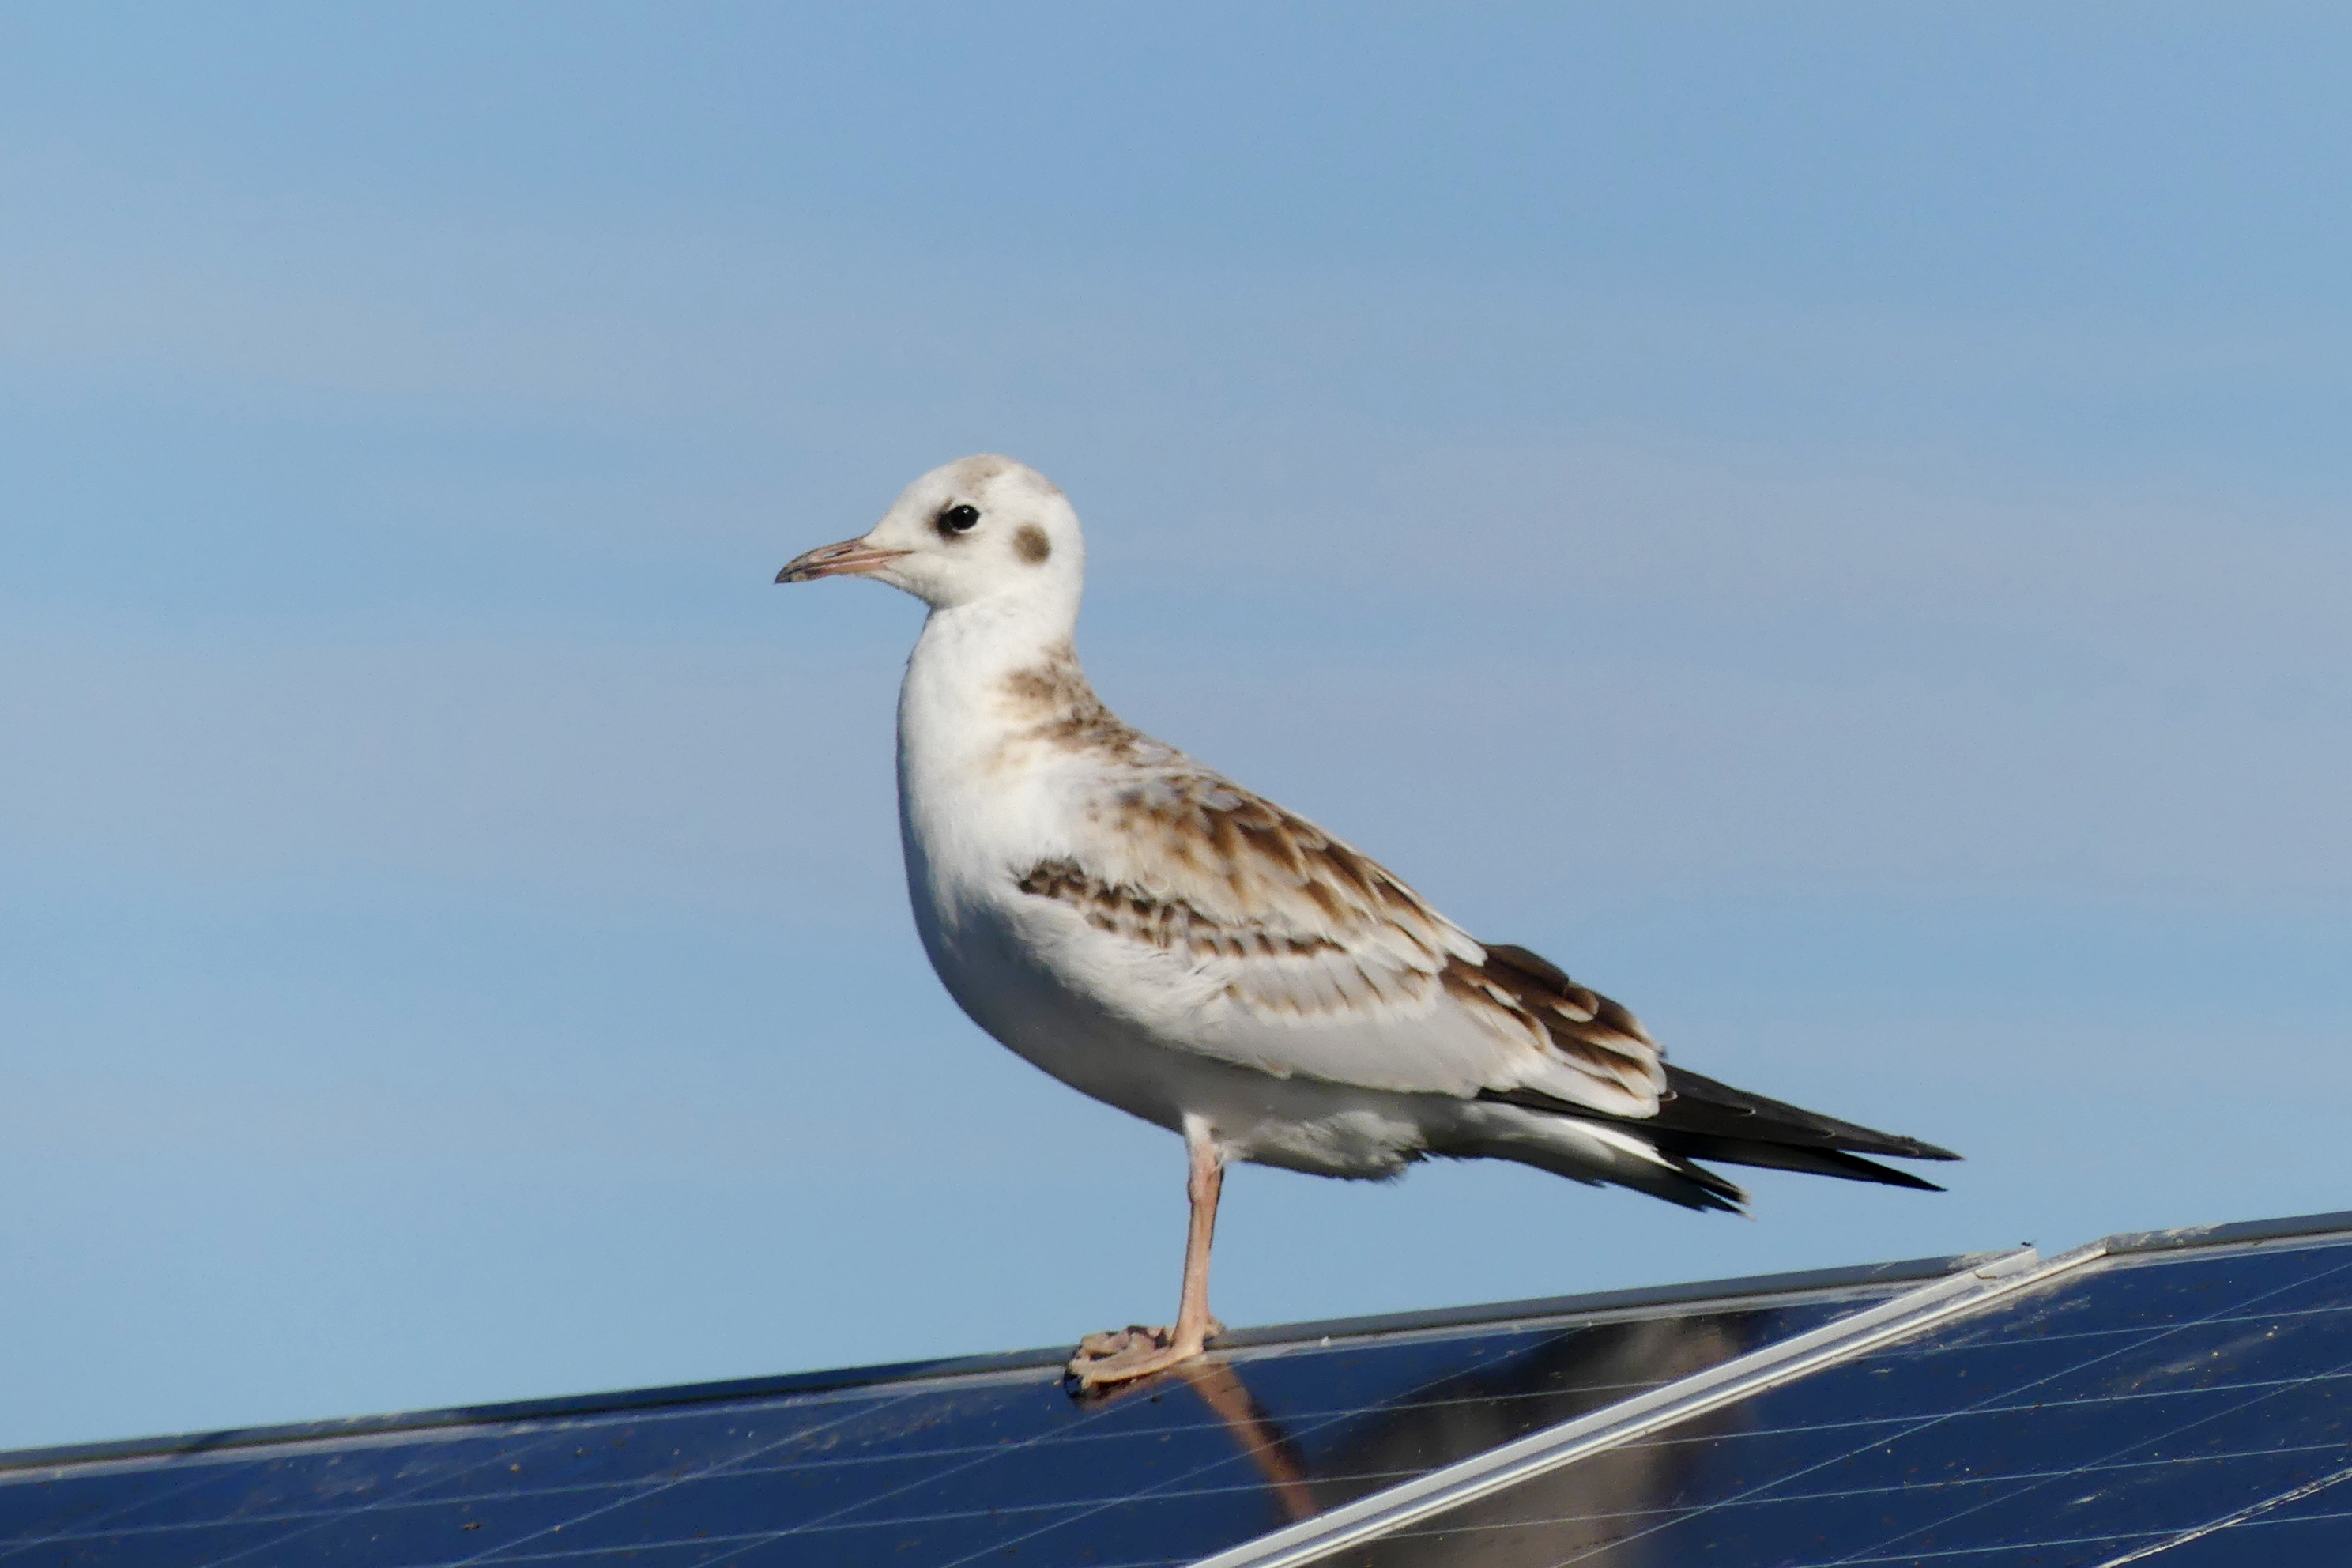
988,1461
2183,1398
2179,1398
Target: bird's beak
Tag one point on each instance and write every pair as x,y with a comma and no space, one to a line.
850,558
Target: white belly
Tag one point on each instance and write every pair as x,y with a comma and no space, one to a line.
1324,1129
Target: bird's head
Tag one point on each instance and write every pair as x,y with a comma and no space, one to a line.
978,529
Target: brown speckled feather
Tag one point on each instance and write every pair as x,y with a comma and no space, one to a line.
1296,925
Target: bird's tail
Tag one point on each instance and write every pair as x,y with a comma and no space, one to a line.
1700,1118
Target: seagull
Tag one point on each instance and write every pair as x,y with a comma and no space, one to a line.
1156,936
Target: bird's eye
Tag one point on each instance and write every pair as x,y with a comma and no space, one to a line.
957,519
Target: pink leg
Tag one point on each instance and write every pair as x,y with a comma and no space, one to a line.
1137,1351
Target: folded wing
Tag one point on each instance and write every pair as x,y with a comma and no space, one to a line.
1314,960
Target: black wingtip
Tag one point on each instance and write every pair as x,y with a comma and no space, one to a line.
1709,1105
1861,1170
1895,1146
1810,1162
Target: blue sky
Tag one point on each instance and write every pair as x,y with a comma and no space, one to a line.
1828,521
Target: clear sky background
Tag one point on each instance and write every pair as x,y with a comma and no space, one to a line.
1834,522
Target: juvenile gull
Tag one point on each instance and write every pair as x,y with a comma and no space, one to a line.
1154,935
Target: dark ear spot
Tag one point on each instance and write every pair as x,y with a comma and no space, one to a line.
1029,543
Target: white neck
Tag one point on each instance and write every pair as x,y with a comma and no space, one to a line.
967,802
953,708
967,652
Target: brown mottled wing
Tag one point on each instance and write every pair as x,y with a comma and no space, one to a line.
1323,962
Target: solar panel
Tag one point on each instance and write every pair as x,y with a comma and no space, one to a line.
2180,1398
2159,1401
922,1466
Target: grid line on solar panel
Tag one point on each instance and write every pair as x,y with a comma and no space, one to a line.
2079,1335
512,1456
2332,1515
13,1546
2168,1536
557,1438
2236,1397
2139,1545
1916,1488
2253,1514
506,1550
207,1461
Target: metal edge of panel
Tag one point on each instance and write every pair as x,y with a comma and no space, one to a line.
2240,1233
1958,1295
1687,1297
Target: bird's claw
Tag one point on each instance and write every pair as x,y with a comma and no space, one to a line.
1122,1355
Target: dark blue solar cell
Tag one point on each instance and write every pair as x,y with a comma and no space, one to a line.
993,1465
2198,1401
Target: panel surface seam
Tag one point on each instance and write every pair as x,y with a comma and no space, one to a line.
1476,1477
